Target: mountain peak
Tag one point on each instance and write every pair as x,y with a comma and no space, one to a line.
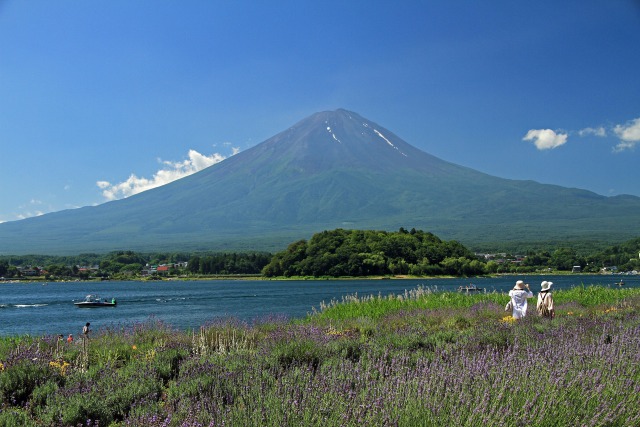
342,137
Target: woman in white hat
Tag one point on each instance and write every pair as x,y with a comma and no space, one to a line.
545,301
519,295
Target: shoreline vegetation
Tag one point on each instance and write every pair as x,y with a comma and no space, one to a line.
336,254
259,277
416,358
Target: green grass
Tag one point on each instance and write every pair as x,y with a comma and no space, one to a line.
591,296
375,307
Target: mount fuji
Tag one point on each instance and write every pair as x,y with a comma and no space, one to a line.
334,169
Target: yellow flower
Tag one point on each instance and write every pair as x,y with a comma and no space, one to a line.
333,331
569,313
134,347
61,366
508,319
1,367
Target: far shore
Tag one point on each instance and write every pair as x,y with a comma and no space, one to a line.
258,277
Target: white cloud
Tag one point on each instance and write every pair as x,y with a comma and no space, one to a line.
545,139
629,135
34,207
624,145
30,214
171,172
593,131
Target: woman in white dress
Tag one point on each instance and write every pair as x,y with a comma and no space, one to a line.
519,295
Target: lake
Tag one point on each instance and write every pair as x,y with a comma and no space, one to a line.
47,308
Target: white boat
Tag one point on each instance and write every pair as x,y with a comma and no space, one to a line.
95,301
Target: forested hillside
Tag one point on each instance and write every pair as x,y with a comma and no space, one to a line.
369,253
625,256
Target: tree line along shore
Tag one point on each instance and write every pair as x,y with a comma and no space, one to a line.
336,253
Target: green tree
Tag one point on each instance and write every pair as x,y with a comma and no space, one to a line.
193,266
563,259
368,252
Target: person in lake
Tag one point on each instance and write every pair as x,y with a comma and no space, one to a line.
544,307
519,295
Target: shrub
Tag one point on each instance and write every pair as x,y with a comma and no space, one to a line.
298,352
166,364
196,381
15,417
103,395
347,348
499,337
18,381
42,393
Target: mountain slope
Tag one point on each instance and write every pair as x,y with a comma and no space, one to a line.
333,169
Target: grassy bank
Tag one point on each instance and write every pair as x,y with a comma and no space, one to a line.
420,358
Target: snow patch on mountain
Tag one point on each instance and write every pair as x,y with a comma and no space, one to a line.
333,134
388,142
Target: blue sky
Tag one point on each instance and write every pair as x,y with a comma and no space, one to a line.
100,100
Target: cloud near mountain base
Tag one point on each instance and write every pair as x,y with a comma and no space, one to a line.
171,172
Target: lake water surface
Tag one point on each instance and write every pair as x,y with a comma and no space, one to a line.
47,309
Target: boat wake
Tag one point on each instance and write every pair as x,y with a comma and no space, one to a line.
171,299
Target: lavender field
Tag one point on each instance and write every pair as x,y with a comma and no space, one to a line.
418,359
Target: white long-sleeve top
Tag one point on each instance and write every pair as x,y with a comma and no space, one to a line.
519,302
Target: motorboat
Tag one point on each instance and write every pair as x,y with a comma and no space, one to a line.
95,301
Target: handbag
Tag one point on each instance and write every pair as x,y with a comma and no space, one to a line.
509,306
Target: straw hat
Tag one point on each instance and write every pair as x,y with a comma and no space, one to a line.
546,285
519,285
